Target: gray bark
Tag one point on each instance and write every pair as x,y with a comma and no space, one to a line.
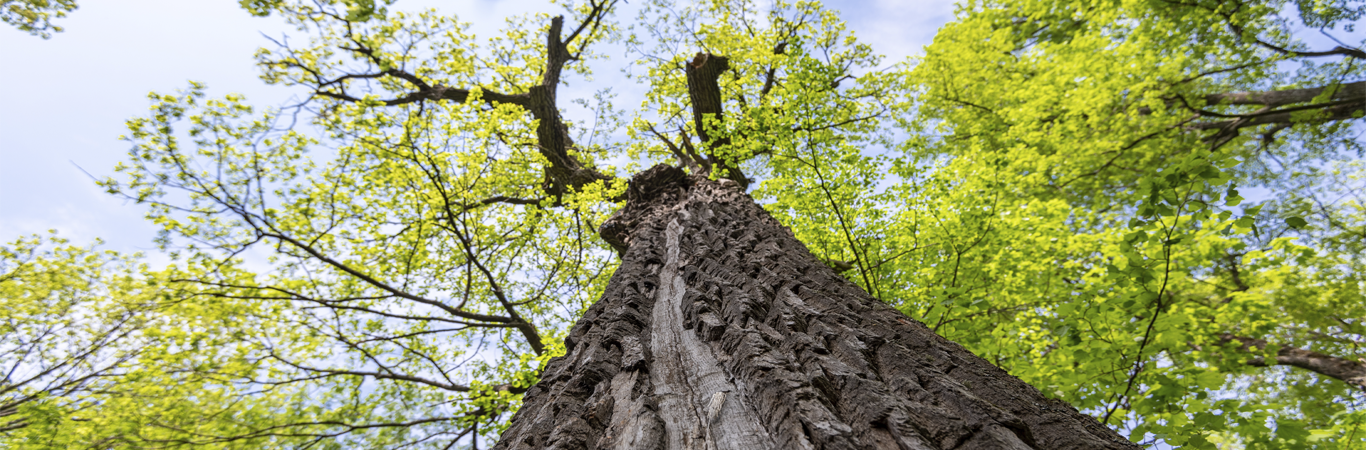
1345,91
721,331
1346,102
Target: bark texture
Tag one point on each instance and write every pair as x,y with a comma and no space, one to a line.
721,331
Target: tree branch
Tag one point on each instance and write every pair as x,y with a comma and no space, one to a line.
1331,112
683,158
704,91
1351,372
565,173
1355,90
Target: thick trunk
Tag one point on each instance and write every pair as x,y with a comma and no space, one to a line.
721,331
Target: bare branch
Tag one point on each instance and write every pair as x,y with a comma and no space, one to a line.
677,152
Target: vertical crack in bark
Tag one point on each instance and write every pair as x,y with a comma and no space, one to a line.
685,384
673,387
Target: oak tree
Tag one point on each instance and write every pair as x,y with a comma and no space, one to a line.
435,258
430,251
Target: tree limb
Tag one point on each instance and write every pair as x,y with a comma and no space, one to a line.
704,91
1354,90
564,173
1349,109
1351,372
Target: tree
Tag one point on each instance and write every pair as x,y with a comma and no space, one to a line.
1087,167
1061,199
98,349
49,289
714,333
430,267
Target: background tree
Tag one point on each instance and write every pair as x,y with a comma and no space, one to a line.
101,352
1072,202
49,289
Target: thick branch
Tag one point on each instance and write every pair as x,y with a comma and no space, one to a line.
1356,90
565,172
552,135
704,90
770,78
1329,112
1342,369
705,93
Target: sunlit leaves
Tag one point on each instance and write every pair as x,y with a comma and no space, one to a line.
35,16
1096,106
391,269
100,349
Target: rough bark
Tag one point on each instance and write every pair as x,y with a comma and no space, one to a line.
721,331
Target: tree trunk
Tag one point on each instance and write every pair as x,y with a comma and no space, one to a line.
721,331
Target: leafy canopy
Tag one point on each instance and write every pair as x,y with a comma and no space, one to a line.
1058,187
429,262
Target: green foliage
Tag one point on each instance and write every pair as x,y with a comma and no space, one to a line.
35,16
100,351
1081,223
399,203
428,274
1058,187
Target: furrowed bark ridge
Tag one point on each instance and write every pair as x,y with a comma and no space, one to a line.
721,331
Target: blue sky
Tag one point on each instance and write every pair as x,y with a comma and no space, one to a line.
65,99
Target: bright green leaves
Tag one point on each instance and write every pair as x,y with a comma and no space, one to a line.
1124,114
35,16
355,39
419,264
99,349
68,315
423,261
1296,222
797,78
233,159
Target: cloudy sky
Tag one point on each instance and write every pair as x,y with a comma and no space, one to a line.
63,101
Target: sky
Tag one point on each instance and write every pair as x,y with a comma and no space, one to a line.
63,101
